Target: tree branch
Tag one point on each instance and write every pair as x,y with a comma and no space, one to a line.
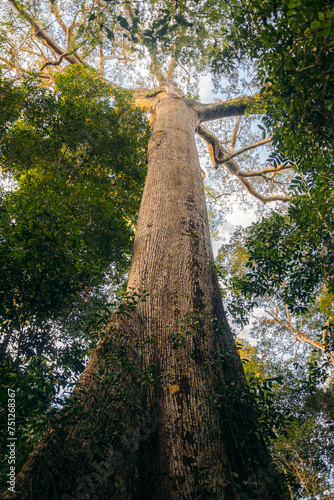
42,34
216,197
258,173
220,155
171,68
154,61
275,306
73,23
302,337
55,12
143,97
101,51
177,46
54,63
325,338
7,61
223,109
247,148
235,134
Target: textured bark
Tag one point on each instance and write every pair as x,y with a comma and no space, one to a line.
161,411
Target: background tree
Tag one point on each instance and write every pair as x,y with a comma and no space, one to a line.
290,253
295,412
289,370
268,266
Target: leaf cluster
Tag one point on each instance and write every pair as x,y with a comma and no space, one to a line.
79,166
292,42
288,259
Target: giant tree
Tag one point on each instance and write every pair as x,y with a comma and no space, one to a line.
162,409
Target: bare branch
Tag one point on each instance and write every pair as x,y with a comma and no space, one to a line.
273,303
156,67
101,51
325,335
43,35
289,347
257,173
216,197
55,12
73,23
272,170
54,63
171,68
153,55
278,183
219,155
235,134
143,98
302,337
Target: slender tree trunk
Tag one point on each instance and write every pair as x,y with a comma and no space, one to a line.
162,409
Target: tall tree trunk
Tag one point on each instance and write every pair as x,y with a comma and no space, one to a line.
162,409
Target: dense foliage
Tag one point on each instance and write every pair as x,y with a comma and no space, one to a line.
288,260
78,184
291,42
296,415
290,253
74,161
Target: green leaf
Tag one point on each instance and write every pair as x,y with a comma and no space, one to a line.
110,34
123,22
315,24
